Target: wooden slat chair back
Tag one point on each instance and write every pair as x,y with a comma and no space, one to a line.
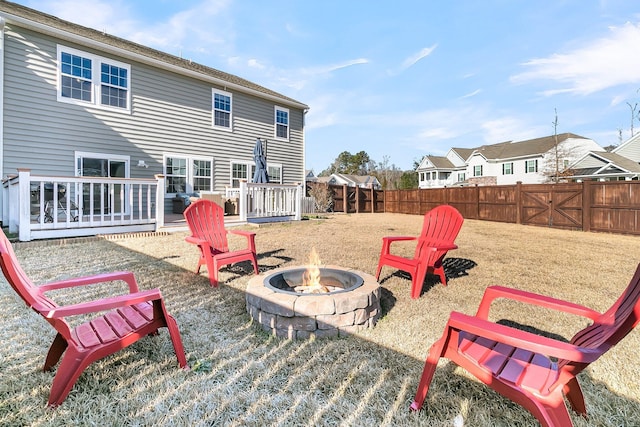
519,364
441,225
127,319
205,219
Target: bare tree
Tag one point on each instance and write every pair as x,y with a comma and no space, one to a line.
322,196
554,164
633,108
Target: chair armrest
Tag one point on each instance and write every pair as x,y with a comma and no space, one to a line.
243,233
386,242
125,276
102,304
521,339
494,292
443,247
195,240
251,238
398,238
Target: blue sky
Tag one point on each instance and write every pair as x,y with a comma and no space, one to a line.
403,79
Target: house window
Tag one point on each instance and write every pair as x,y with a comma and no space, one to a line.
531,166
241,171
282,123
275,174
98,195
477,170
184,174
222,109
202,175
507,168
89,79
565,163
462,176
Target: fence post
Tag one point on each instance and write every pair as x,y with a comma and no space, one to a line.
159,201
357,199
373,200
345,199
518,202
24,209
586,205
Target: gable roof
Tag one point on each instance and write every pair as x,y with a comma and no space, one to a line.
509,149
610,163
441,162
48,24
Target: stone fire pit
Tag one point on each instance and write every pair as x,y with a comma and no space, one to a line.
279,310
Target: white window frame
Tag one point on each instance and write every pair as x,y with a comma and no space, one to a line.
528,163
271,166
190,173
507,168
462,176
276,124
96,84
119,157
250,168
475,170
213,109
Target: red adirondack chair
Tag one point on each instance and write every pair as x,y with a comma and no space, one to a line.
439,231
206,223
127,319
518,364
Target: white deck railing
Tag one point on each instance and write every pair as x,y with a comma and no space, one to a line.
265,201
41,207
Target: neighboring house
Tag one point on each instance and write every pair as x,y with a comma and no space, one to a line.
309,176
78,102
362,181
530,162
622,163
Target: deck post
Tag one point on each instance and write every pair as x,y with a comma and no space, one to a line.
23,214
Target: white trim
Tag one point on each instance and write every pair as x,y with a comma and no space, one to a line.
2,54
215,91
277,108
96,84
107,156
189,171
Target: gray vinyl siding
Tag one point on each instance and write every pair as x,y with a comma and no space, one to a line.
170,113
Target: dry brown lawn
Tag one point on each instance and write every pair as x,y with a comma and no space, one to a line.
244,377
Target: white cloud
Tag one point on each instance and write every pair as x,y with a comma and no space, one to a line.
604,63
186,31
412,60
254,63
469,95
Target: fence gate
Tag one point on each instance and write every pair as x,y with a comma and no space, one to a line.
552,205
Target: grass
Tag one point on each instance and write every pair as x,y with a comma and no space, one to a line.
244,377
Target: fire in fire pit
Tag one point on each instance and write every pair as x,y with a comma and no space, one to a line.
314,279
338,301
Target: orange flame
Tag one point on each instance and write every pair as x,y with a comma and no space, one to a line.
311,277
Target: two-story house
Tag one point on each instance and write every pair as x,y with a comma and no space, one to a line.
531,162
78,102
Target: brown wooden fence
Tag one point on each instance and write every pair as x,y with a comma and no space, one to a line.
612,207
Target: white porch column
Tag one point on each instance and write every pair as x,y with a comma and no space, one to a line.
299,193
242,201
23,204
159,201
